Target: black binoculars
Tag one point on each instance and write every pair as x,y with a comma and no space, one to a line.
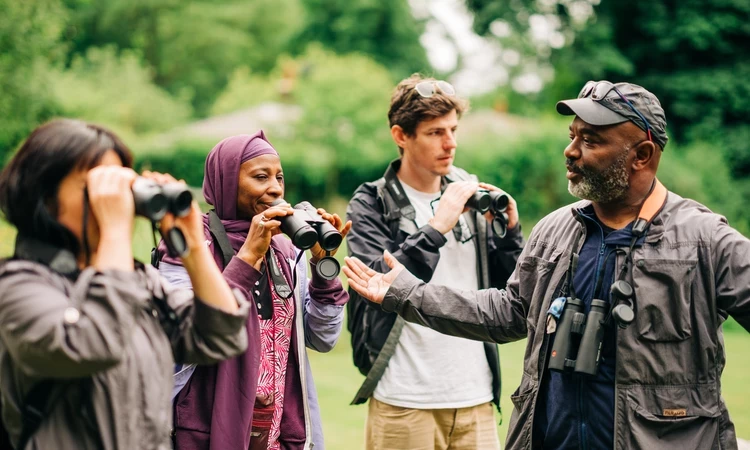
306,228
153,200
578,338
484,200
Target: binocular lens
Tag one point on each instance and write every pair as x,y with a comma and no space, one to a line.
330,239
304,237
499,201
180,198
480,201
153,200
155,208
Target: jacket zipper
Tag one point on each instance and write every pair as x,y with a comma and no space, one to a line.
584,441
301,357
597,274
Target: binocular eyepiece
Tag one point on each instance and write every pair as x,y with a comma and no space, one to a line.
484,200
306,228
153,200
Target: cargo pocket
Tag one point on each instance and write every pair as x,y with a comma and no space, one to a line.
671,418
519,429
663,296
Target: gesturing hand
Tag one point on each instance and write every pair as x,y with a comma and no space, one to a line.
367,282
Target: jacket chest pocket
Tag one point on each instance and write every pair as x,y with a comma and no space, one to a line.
536,277
663,297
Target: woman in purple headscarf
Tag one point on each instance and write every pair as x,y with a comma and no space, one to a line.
264,399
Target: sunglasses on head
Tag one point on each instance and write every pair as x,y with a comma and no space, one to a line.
431,87
598,91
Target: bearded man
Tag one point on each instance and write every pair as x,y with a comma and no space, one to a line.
621,296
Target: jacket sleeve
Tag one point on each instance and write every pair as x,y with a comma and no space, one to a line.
370,237
729,251
324,302
494,315
205,334
50,335
503,255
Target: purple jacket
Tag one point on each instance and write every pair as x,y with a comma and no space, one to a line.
214,409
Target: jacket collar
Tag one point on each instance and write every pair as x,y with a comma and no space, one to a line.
654,233
60,260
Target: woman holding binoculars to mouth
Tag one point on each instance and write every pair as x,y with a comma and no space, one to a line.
88,337
265,398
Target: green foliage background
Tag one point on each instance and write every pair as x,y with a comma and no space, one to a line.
168,75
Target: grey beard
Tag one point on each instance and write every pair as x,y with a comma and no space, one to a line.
603,187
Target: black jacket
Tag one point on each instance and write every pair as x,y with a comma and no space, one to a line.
379,224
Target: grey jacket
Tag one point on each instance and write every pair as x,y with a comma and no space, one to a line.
692,272
100,333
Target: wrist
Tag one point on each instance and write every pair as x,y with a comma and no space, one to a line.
439,226
195,256
250,257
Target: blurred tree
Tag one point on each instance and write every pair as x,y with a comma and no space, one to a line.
116,90
343,131
191,47
29,33
339,138
383,29
691,53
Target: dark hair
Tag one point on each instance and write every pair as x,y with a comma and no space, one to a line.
31,180
408,108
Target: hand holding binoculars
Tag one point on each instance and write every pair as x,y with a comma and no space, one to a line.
306,228
497,202
153,201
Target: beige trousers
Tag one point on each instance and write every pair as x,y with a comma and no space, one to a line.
394,428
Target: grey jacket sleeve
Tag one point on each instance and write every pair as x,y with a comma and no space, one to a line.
205,334
49,335
485,315
729,251
370,236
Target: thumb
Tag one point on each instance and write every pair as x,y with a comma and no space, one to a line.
390,259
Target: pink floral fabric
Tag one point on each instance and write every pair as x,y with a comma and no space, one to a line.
275,340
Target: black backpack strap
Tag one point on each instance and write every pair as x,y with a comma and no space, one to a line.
396,196
219,234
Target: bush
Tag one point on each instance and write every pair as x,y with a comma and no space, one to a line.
116,90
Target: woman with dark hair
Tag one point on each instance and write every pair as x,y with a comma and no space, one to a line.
264,399
88,336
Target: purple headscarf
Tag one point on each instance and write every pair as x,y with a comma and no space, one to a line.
221,182
223,167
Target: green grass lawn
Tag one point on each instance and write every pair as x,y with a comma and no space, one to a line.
337,379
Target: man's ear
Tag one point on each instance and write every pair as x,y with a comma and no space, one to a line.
645,153
398,135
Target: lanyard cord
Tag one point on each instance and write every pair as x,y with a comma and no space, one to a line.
86,253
